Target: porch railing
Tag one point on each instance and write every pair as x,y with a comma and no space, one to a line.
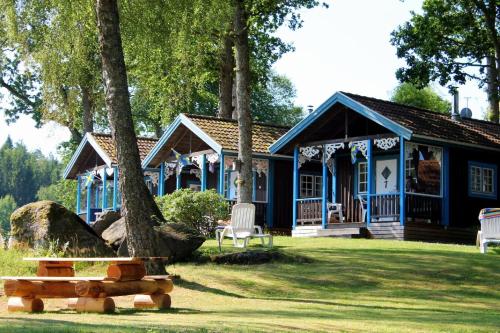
423,207
309,211
385,206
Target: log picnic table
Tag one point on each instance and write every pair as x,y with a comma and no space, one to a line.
56,279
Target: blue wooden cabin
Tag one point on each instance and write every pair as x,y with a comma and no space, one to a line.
198,152
364,166
95,167
356,166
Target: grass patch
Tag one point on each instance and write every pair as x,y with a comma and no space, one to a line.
346,285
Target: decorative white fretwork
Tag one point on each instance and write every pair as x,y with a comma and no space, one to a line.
310,152
197,160
331,148
362,146
153,175
386,143
196,173
212,158
170,168
302,160
260,166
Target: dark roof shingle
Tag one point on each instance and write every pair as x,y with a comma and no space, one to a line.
434,125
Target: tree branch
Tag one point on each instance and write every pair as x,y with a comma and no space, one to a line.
16,93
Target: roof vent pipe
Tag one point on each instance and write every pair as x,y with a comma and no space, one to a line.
310,109
455,114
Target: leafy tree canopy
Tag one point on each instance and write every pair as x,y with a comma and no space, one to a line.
22,173
452,41
425,98
7,207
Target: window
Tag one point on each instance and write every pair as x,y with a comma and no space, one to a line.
482,180
310,186
362,177
423,168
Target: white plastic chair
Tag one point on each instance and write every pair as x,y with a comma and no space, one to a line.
364,207
490,229
242,227
335,209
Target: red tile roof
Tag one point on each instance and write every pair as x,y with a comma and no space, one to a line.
106,143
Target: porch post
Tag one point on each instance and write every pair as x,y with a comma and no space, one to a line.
178,180
161,180
104,189
221,174
115,188
270,195
324,194
203,172
445,183
78,194
295,185
89,201
402,181
369,185
334,180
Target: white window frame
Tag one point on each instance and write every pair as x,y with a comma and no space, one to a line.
365,163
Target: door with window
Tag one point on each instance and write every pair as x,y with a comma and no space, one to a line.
386,176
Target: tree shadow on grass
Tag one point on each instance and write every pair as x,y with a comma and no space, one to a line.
202,288
25,325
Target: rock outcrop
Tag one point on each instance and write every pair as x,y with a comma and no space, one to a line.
178,241
104,221
40,223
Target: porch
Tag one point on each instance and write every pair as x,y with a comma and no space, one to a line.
360,187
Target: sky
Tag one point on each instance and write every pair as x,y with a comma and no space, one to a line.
343,48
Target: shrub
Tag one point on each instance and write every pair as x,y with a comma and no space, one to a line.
200,210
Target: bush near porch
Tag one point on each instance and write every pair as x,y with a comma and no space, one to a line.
199,210
348,285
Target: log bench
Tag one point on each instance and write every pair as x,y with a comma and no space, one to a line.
55,279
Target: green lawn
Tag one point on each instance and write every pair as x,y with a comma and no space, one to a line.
347,285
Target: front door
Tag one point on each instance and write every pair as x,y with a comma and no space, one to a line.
386,176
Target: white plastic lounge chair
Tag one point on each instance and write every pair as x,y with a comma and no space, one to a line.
243,227
490,228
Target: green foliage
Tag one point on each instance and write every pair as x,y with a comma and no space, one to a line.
425,98
273,102
22,173
7,206
446,41
200,210
63,192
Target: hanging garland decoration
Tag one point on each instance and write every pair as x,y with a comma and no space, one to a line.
196,173
260,166
386,143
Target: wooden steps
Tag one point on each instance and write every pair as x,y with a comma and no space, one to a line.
386,230
317,231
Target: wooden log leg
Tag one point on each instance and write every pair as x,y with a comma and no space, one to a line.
72,303
24,304
99,305
160,301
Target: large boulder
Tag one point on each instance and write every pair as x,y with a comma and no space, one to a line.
40,223
104,220
177,241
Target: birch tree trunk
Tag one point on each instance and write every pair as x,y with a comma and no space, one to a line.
242,56
88,121
140,210
226,79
